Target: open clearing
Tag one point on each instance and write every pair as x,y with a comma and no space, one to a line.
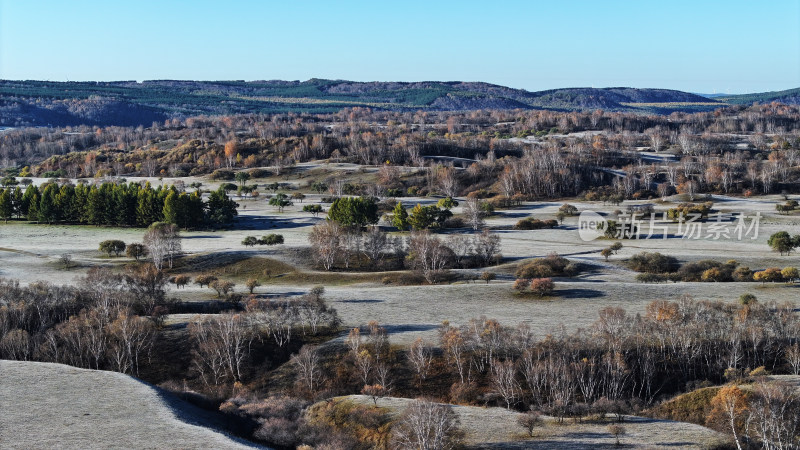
48,405
30,253
496,428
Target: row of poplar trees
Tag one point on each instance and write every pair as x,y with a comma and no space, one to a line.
116,204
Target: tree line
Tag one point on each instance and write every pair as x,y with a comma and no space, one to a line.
116,204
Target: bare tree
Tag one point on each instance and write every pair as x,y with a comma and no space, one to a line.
504,381
487,247
420,356
163,242
326,242
425,425
429,255
375,243
308,367
473,213
222,345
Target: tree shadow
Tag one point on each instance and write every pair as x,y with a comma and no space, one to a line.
187,412
579,293
406,328
357,301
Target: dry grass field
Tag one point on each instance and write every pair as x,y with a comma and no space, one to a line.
497,428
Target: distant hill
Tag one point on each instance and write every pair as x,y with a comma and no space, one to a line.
789,97
24,103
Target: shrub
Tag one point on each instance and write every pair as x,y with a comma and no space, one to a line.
748,299
314,209
204,280
250,241
181,281
652,263
223,174
488,276
112,246
771,275
790,274
651,278
550,266
530,420
222,287
742,274
568,209
688,209
271,239
251,284
136,251
542,286
520,284
530,223
258,173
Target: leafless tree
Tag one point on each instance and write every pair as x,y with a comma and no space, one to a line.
429,255
487,247
420,356
222,344
308,366
425,425
473,213
163,242
326,242
375,243
504,381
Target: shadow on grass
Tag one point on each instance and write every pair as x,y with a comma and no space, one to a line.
189,411
360,301
409,327
580,293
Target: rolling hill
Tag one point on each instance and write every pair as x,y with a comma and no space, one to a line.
56,406
130,103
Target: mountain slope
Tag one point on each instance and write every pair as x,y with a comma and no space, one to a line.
789,97
128,103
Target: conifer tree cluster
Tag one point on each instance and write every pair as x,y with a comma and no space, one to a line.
116,204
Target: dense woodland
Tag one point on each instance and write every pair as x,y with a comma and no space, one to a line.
526,153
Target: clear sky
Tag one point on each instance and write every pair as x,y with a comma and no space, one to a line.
729,46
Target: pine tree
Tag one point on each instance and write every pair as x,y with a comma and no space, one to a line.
30,198
33,207
17,200
171,208
400,218
6,205
95,207
47,205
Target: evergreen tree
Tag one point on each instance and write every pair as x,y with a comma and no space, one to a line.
221,209
47,204
95,207
171,208
400,217
6,205
354,211
17,200
30,198
33,207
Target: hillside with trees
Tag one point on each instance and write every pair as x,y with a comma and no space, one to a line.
131,103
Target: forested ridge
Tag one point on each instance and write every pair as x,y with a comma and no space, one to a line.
131,103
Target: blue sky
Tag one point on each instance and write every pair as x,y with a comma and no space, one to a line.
698,46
